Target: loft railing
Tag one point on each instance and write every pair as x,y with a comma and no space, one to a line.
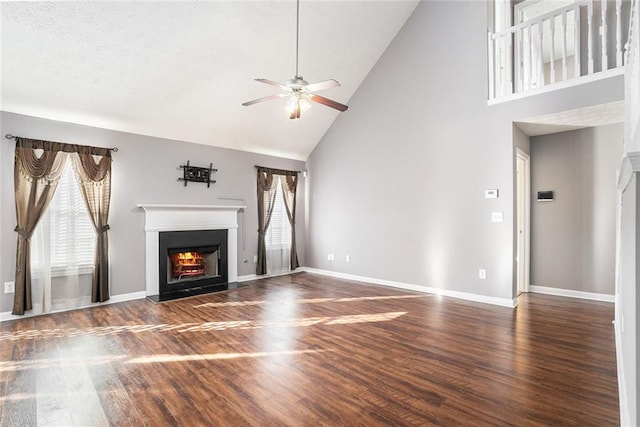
570,42
632,81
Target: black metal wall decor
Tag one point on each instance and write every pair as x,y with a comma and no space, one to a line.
197,174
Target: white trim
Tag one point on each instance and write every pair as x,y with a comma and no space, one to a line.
571,293
527,217
625,174
634,159
590,78
187,227
503,302
37,309
160,207
622,386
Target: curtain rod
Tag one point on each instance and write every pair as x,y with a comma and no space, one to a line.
258,166
9,136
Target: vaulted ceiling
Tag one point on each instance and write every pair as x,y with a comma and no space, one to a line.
181,70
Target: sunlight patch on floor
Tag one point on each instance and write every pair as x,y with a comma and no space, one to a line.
305,301
165,358
199,327
295,323
22,365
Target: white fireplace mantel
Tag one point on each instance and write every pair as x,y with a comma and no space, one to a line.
159,217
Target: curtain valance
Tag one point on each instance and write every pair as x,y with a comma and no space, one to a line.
38,144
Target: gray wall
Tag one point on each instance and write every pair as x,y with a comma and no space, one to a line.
145,170
573,237
398,181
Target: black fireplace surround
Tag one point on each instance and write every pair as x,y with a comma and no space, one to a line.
206,241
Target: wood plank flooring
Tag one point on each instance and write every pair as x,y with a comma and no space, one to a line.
306,350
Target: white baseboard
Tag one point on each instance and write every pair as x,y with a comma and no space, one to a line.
503,302
37,308
572,294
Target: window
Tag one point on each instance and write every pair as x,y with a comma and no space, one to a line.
279,230
65,238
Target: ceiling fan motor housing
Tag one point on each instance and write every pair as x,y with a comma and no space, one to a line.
298,82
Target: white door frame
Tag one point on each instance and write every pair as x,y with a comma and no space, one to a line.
523,190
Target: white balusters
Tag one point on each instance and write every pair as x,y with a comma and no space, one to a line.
508,69
517,51
501,64
618,33
540,59
564,45
538,51
492,61
590,38
576,42
603,37
552,50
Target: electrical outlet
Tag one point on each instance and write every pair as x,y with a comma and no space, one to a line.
330,257
496,216
255,258
9,287
347,258
482,273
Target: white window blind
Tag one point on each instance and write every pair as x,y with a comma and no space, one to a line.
279,230
70,232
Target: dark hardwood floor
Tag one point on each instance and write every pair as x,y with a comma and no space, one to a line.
306,350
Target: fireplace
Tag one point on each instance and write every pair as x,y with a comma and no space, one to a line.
192,262
190,221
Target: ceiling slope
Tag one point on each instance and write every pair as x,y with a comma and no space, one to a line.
181,70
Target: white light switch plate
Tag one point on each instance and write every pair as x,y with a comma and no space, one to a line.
496,216
9,287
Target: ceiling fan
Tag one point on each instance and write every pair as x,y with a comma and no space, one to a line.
298,89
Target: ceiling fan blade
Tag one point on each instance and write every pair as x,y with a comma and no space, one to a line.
327,84
328,102
272,83
266,98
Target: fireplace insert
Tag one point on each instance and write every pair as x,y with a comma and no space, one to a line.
192,262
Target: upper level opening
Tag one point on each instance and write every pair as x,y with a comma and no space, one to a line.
537,45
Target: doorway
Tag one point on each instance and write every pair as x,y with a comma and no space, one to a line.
523,229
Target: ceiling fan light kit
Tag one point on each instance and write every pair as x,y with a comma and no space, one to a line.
299,90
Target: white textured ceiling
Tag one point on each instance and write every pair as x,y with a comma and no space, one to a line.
181,70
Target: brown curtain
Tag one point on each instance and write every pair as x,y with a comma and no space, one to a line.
289,186
266,201
95,184
35,181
